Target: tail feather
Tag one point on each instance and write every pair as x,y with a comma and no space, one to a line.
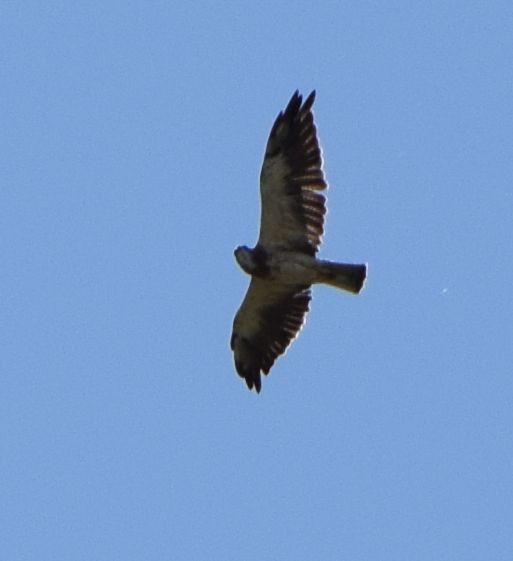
341,275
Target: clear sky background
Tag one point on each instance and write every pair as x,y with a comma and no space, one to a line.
132,135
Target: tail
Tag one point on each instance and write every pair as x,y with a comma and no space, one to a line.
341,275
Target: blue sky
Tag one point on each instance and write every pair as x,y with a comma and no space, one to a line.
132,138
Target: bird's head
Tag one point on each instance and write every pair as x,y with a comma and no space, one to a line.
245,259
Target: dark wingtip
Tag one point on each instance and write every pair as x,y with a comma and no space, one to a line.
253,381
250,375
258,385
295,107
309,101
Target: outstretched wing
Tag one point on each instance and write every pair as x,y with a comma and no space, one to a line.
292,210
269,318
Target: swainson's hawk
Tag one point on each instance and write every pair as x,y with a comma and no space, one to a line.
283,264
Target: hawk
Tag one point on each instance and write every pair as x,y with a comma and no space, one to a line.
283,264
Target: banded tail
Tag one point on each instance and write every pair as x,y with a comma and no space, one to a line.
341,275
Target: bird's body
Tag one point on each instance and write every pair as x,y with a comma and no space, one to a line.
292,268
283,264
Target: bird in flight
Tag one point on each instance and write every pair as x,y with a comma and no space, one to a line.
283,264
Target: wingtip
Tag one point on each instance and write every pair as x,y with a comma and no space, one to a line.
250,375
309,101
294,104
254,382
